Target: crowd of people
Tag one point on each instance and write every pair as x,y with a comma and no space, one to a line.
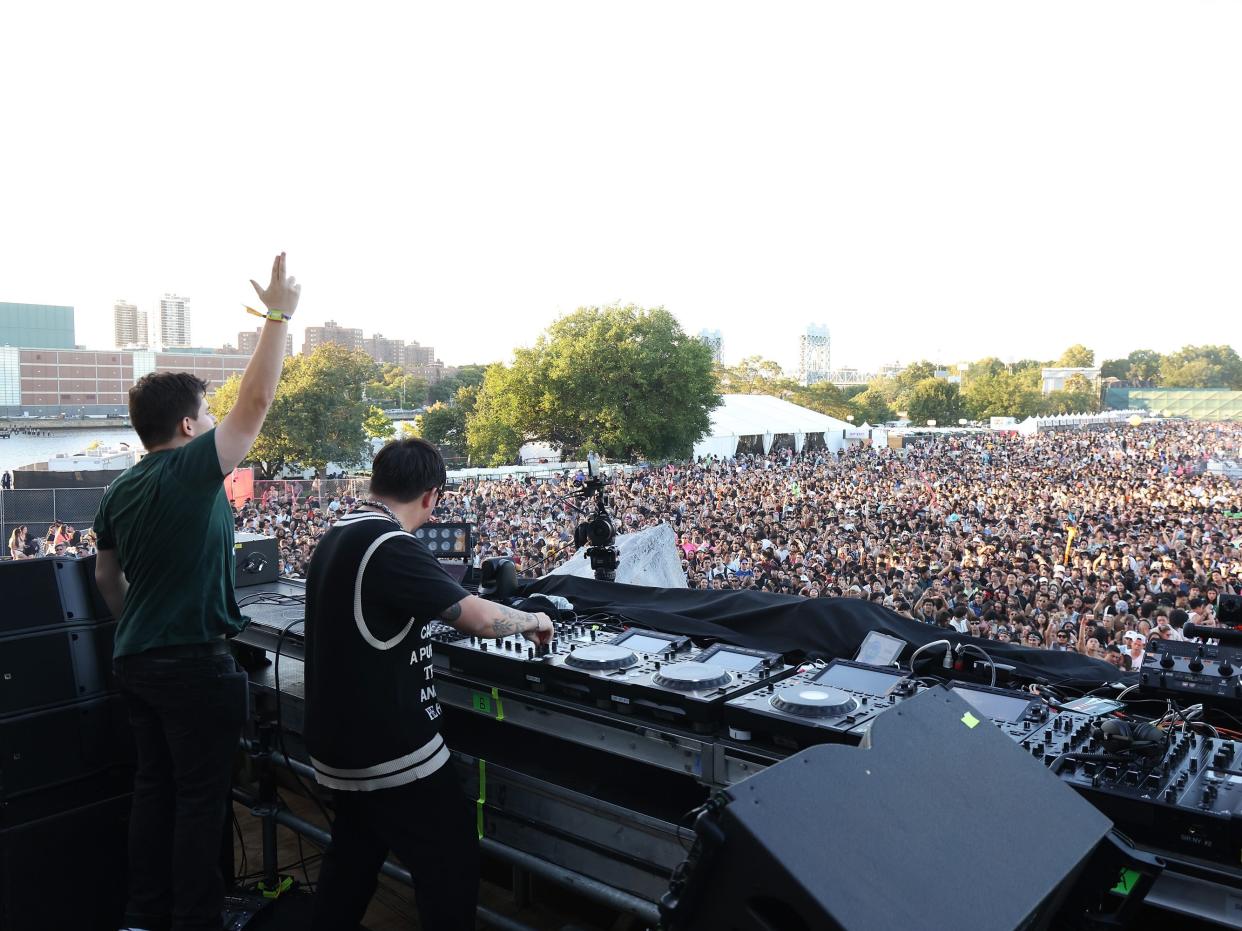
1093,541
60,540
1088,540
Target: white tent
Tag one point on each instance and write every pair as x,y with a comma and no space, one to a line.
760,415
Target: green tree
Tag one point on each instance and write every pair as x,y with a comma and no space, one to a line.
1077,356
376,424
493,432
623,381
1115,368
1001,394
753,375
1028,365
470,376
1144,365
1202,367
823,396
935,399
984,368
445,426
1078,396
914,373
395,387
318,414
871,406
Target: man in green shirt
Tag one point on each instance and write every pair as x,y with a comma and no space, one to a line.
165,568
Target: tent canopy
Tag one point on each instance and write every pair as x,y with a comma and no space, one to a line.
760,415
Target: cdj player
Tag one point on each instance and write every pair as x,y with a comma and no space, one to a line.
1018,714
834,704
636,671
660,675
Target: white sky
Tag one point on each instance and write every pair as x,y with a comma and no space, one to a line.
945,179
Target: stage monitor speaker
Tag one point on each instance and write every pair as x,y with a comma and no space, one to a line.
64,743
49,667
943,822
48,591
66,870
1229,610
255,560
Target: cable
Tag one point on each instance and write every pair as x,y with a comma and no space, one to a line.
927,646
962,648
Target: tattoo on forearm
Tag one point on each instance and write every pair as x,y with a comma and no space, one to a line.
451,613
511,621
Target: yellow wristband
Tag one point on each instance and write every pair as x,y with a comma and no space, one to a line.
278,315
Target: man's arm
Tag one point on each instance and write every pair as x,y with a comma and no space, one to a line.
111,581
481,618
237,432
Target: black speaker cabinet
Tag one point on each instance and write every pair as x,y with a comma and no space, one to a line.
66,869
53,666
943,822
48,591
64,743
254,559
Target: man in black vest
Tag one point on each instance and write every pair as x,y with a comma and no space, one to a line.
372,718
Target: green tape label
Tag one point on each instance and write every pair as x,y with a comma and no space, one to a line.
481,702
970,720
1125,882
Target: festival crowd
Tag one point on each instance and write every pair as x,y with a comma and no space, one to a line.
1093,541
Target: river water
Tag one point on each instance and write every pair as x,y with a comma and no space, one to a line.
22,450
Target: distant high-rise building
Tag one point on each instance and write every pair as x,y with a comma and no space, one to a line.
129,326
384,351
330,332
416,356
248,341
172,323
713,340
45,326
814,354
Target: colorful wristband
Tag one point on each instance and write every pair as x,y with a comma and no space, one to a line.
278,315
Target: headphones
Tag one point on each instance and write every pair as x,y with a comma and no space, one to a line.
1118,736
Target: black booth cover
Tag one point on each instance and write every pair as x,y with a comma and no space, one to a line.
818,628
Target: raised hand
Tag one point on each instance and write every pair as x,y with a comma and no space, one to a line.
283,292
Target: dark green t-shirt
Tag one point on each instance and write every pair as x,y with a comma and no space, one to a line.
172,528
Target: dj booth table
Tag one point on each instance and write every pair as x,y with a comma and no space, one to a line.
596,794
594,798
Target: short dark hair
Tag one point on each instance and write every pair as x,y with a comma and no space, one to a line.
160,400
404,470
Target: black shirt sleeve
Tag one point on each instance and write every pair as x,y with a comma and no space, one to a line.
406,578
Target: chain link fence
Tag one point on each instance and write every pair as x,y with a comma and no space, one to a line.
37,509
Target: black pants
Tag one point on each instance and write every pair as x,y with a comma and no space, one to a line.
430,826
187,707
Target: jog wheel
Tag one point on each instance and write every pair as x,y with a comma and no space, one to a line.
601,656
692,677
814,701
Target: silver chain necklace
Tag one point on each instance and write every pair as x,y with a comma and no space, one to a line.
380,506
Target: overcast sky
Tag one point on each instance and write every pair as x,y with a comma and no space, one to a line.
946,179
